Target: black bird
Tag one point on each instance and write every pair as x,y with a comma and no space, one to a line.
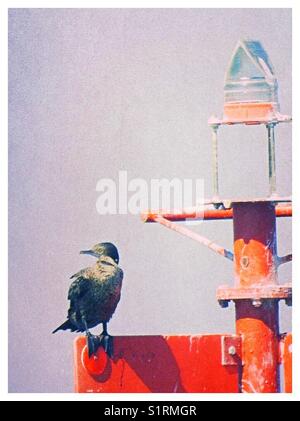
94,296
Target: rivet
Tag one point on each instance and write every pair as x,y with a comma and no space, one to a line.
231,350
256,303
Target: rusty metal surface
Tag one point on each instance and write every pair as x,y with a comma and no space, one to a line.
225,292
193,213
161,364
255,248
255,268
256,291
258,327
285,358
197,213
231,350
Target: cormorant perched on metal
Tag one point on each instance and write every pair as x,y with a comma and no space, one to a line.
94,296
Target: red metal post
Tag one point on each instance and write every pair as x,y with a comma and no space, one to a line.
256,318
286,361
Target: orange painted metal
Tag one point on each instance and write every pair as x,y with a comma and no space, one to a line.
249,112
282,211
207,214
173,364
254,244
256,318
244,114
258,326
256,291
192,213
286,361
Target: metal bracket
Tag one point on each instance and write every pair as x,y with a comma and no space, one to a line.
258,293
231,346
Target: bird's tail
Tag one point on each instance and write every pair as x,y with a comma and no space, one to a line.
65,326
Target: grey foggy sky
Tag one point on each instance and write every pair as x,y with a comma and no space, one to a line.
92,92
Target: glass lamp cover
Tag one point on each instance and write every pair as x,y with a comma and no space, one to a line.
250,76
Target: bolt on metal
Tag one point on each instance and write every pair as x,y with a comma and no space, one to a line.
257,303
232,350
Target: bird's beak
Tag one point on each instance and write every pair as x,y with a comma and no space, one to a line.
91,253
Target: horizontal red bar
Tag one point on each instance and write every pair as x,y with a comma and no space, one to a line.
208,214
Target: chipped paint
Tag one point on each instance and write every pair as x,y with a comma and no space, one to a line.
247,383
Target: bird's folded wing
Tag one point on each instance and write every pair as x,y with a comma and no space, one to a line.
79,288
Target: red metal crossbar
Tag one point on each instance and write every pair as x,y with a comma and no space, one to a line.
207,214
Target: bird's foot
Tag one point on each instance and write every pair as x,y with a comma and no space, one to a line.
93,344
106,341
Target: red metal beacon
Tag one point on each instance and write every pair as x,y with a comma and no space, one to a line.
250,360
251,98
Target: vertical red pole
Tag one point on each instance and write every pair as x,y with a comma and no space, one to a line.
256,319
